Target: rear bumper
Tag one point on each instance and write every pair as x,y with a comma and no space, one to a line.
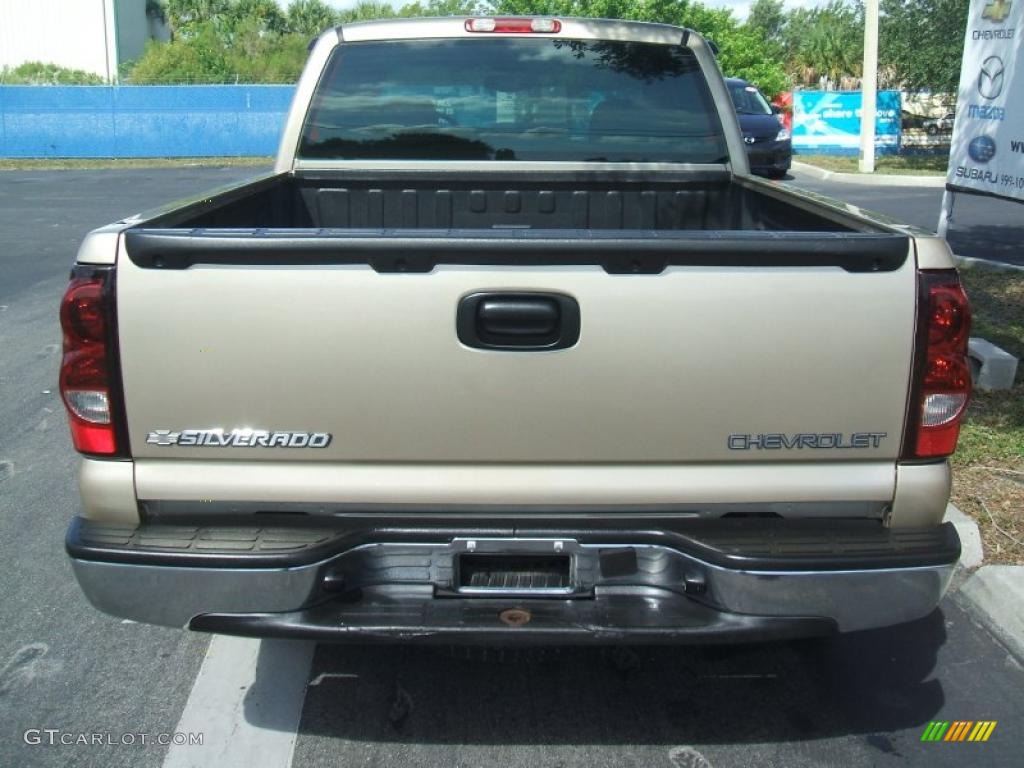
713,581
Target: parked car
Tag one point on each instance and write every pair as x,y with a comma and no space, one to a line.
510,347
769,144
937,125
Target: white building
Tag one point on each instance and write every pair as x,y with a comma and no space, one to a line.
95,35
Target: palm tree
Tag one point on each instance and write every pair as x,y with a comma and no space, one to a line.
185,16
310,17
826,42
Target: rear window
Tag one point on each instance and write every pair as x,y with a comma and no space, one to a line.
748,100
513,99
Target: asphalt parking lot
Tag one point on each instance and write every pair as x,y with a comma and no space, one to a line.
981,227
864,699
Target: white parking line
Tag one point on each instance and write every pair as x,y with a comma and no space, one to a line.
246,701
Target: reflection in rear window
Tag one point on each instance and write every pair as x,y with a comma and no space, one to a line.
513,99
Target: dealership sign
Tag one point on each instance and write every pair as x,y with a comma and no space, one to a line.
829,121
987,148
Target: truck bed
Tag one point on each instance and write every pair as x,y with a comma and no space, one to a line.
413,222
374,200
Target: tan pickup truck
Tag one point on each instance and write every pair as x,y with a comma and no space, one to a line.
511,348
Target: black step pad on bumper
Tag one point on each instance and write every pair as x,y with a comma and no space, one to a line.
749,544
247,546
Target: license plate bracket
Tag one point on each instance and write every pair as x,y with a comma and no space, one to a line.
505,573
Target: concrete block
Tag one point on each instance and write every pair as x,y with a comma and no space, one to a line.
998,368
995,593
970,537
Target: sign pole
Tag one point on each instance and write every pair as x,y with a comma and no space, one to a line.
869,88
946,212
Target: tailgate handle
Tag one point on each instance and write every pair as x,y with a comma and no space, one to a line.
518,317
518,321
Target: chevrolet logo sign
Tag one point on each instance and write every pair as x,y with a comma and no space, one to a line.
997,11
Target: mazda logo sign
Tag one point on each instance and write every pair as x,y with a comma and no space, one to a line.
749,139
990,79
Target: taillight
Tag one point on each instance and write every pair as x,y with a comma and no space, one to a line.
89,376
522,26
942,375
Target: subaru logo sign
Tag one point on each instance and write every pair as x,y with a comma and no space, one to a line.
981,149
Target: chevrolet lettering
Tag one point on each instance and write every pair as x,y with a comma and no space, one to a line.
825,440
992,34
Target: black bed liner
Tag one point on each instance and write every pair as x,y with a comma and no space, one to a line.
412,223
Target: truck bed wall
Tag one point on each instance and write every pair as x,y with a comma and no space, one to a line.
410,203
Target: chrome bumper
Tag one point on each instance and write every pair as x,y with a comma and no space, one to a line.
854,599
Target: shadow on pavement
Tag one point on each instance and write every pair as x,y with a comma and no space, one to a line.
864,683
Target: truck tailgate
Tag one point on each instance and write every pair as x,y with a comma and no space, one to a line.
705,361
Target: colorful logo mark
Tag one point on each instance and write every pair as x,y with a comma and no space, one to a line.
959,730
997,11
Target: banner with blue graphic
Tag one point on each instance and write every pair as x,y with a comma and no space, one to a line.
987,149
828,122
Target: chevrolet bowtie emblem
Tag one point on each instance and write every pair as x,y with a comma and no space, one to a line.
997,11
162,437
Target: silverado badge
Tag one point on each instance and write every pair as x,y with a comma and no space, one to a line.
239,438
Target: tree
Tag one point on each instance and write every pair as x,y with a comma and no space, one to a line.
185,17
38,73
199,56
922,42
768,18
442,8
155,10
253,41
825,42
367,10
741,51
310,17
264,15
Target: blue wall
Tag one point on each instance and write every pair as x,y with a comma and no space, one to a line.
142,121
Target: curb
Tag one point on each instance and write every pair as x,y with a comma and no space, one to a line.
970,262
993,594
971,554
996,594
872,179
